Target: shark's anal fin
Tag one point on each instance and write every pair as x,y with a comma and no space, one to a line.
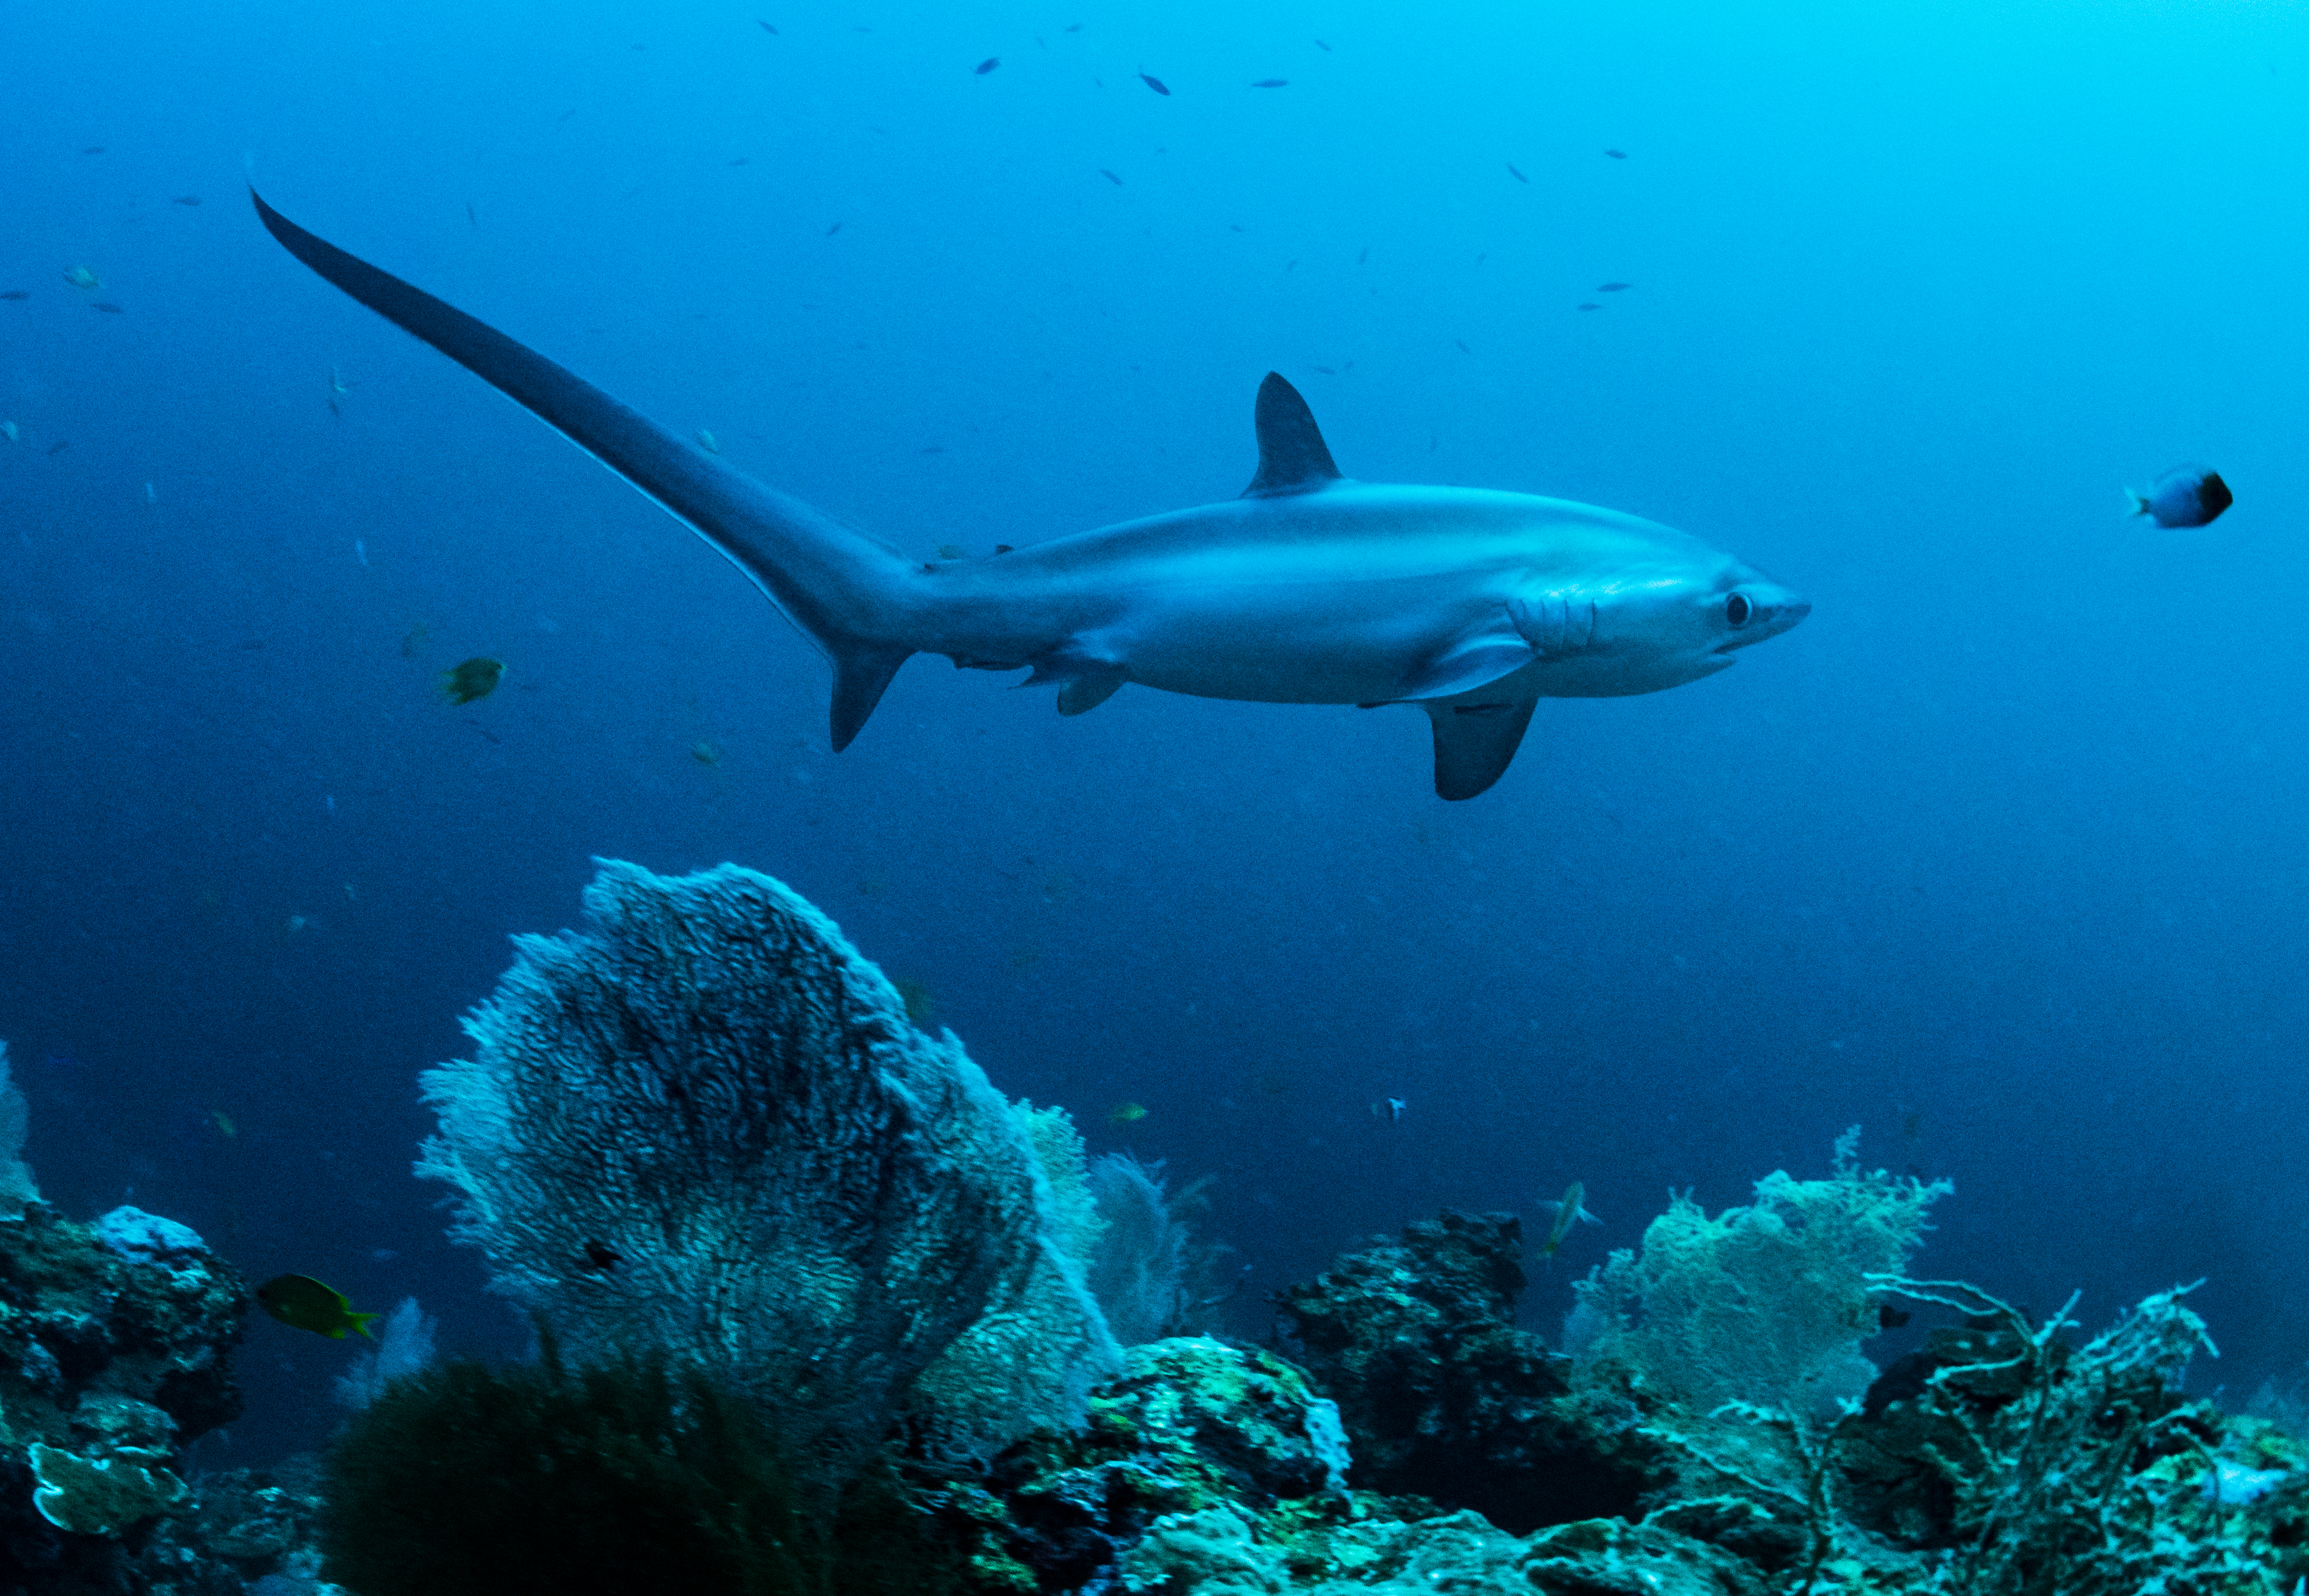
1476,735
1292,457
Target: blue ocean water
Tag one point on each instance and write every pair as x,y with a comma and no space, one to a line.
1998,855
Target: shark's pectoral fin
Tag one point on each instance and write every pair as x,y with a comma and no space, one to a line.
1476,735
861,673
1471,663
1292,457
1091,688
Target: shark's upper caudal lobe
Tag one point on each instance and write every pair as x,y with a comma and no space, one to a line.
1309,589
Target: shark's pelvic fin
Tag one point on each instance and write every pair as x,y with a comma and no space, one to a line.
1091,688
1292,455
862,672
1476,735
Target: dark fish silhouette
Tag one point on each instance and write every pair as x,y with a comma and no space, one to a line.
1591,304
1109,176
15,293
186,199
60,445
1519,177
1154,82
1617,154
1322,46
989,65
833,229
107,304
2185,495
765,26
1463,346
1613,288
1272,83
92,150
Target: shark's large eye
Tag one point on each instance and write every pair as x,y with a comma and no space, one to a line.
1737,610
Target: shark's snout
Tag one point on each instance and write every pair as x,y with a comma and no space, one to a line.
1759,609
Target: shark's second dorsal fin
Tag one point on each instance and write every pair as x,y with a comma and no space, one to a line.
1292,455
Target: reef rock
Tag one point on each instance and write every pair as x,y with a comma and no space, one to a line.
1444,1398
115,1343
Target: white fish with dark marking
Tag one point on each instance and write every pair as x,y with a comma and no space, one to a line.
1471,603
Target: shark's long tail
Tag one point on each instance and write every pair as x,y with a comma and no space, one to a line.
850,595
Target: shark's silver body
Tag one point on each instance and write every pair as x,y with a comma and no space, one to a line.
1310,588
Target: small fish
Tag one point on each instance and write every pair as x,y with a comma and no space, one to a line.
476,677
1126,1114
15,293
60,445
81,276
600,1257
1073,27
304,1303
92,150
225,1126
708,442
1109,176
8,431
764,27
989,65
1395,1108
107,304
833,229
1617,154
1272,83
412,641
1364,257
1463,346
151,498
185,199
361,552
1515,174
2185,495
1156,83
1328,371
1590,305
471,219
706,753
1322,46
934,449
1568,1213
743,161
1613,288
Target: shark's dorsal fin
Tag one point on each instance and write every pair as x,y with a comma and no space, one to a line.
1291,455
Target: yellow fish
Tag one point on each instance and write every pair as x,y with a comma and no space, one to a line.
477,678
1126,1114
304,1303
